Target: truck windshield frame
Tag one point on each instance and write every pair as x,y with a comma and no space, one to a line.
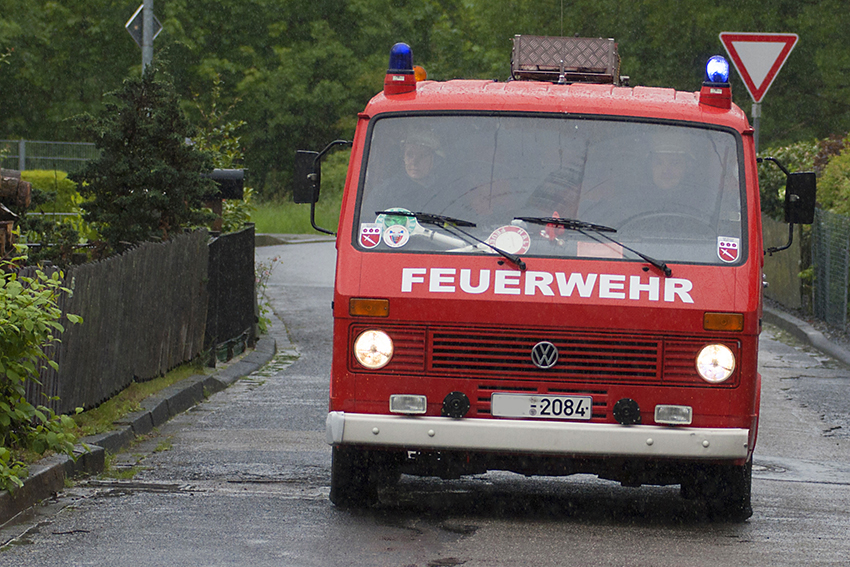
674,190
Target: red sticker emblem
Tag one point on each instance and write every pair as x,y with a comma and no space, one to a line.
370,235
728,248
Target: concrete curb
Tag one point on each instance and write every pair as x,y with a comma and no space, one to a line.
806,333
48,475
263,239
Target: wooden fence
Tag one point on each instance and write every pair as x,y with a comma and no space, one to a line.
144,313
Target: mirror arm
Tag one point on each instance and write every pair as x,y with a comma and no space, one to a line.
771,251
329,147
776,161
313,178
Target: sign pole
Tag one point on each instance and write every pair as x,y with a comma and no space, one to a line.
147,34
143,26
756,119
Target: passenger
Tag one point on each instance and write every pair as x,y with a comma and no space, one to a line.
670,161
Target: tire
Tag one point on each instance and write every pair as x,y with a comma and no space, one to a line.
726,490
351,479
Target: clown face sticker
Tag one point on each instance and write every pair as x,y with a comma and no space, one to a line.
396,236
728,248
370,234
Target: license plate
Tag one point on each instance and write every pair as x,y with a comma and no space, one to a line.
541,406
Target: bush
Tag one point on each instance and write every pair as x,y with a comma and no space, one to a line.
834,184
61,194
29,321
54,238
796,157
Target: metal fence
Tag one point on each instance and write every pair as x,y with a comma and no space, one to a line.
231,287
831,261
36,154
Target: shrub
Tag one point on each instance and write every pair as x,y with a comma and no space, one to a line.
54,238
61,193
29,321
217,135
796,157
834,184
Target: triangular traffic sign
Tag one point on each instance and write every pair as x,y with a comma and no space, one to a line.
758,57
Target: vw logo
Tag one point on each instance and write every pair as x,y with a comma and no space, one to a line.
544,355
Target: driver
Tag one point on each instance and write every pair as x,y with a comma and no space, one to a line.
413,184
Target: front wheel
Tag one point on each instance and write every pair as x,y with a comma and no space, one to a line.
350,478
356,475
725,489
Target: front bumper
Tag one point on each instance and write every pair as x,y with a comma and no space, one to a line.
536,437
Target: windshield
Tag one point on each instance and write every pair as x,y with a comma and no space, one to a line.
669,191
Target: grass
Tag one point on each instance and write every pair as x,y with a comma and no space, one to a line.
164,445
278,217
101,418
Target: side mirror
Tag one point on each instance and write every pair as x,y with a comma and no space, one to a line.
308,175
800,198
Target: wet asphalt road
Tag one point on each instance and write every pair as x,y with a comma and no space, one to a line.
243,479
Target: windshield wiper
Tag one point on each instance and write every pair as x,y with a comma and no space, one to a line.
581,226
452,226
569,224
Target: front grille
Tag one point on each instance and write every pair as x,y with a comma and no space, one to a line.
582,357
503,356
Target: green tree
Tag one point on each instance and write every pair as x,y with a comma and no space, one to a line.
304,68
218,135
147,183
66,56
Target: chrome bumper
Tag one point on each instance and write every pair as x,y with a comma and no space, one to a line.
536,437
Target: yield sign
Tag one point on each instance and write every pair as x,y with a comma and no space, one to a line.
758,57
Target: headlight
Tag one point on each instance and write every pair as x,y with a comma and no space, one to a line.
715,363
373,349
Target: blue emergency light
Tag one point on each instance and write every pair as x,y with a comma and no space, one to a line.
400,77
401,58
717,70
716,91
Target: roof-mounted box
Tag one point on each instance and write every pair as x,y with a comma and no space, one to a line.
566,60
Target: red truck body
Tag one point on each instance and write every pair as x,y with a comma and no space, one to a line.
570,348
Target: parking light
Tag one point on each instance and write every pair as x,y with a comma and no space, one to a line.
408,404
673,415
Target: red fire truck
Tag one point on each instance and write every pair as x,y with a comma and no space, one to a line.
552,275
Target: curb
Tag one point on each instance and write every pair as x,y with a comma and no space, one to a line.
47,476
806,333
262,239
